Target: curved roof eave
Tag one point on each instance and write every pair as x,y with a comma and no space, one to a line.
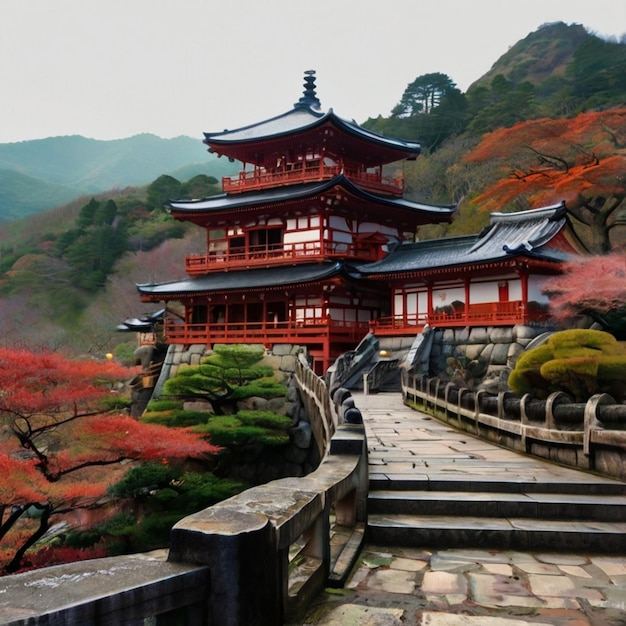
465,265
236,280
510,235
273,123
301,119
293,192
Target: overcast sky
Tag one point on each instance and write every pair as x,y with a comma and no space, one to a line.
114,68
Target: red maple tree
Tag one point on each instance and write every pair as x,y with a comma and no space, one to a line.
55,432
594,287
580,161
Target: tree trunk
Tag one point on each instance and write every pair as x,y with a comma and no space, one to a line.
44,525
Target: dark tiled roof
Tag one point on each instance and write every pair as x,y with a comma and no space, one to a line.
225,202
245,279
302,118
509,235
306,119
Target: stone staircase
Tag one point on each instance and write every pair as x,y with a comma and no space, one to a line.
432,486
499,515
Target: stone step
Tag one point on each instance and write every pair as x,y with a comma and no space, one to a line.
497,534
583,484
605,508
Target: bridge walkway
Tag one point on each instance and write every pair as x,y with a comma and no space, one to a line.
462,532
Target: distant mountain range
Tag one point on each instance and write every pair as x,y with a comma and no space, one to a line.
42,174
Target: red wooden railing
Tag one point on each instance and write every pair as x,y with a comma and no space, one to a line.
263,179
320,330
483,314
278,254
267,333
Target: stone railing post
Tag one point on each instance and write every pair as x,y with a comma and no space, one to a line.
239,548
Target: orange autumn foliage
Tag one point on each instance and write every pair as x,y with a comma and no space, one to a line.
57,437
581,161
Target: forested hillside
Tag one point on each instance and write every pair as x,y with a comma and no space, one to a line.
45,173
546,124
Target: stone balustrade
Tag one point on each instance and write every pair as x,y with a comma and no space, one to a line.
589,436
257,558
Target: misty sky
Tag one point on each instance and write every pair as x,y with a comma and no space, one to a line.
114,68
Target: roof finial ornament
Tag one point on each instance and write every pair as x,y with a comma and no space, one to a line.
309,98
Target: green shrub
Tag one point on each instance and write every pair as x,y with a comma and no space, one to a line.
526,377
164,404
82,539
248,427
578,376
613,369
230,374
120,525
167,495
143,479
116,402
597,339
178,418
262,388
579,362
198,491
265,419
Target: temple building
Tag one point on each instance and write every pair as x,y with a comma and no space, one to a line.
311,202
313,244
494,278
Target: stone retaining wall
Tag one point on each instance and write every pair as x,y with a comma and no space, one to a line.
479,357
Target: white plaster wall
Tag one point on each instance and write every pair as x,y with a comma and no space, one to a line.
483,292
301,236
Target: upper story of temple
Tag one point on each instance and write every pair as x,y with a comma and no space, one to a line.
312,187
307,145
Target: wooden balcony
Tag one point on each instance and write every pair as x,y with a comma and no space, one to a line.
483,314
314,331
305,252
263,179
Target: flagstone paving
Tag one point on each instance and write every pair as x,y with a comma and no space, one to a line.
465,587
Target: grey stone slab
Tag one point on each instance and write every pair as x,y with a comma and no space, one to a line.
444,583
493,590
433,618
545,585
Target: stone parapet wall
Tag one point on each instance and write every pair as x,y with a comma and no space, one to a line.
479,357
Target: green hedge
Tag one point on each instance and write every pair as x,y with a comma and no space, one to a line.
579,362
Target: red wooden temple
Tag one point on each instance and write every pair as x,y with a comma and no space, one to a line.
313,244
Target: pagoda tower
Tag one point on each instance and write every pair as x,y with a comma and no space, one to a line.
311,204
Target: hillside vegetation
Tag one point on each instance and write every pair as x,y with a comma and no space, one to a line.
45,173
546,124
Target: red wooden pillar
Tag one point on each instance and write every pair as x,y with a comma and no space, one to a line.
429,296
524,311
466,285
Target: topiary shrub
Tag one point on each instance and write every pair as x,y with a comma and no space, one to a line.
578,362
230,374
164,404
262,428
179,418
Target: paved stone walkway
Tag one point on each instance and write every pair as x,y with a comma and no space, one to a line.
465,587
